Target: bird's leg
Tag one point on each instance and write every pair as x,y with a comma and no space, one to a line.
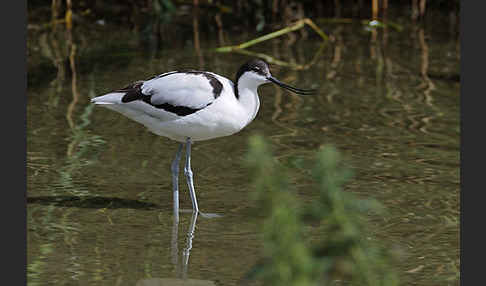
175,181
188,173
173,243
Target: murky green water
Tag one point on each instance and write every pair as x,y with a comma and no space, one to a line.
99,185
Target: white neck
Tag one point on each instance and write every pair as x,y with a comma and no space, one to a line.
248,97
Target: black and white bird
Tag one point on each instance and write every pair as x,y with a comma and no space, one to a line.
188,106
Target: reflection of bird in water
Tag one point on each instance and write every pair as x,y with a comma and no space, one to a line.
189,106
181,268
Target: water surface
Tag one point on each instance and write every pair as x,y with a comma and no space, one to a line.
99,185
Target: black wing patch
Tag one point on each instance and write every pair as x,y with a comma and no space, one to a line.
134,92
179,110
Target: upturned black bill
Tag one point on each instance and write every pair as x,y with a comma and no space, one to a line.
291,88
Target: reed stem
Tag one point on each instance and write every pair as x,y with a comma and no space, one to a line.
297,25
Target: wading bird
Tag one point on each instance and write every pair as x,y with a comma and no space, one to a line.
188,106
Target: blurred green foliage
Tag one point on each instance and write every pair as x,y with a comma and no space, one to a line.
344,251
288,261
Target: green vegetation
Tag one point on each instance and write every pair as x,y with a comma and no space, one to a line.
166,23
343,252
298,25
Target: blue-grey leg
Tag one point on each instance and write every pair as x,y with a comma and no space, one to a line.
175,181
173,245
189,177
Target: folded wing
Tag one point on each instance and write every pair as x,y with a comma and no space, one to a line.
167,97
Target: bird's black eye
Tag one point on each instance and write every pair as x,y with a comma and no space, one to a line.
258,70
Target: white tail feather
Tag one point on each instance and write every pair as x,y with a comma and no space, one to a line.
110,98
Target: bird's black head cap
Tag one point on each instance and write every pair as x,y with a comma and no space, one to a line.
256,65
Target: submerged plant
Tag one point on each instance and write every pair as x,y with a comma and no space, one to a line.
343,252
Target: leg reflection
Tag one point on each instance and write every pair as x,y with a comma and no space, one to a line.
181,270
187,249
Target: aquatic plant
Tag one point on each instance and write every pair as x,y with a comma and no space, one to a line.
343,251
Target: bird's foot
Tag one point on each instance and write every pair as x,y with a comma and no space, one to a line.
209,215
205,215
